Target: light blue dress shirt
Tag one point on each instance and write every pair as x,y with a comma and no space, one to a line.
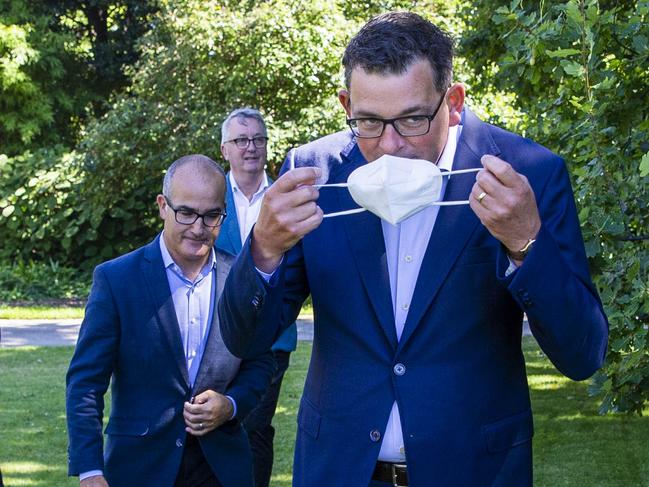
193,305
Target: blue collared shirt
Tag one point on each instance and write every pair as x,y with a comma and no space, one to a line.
193,302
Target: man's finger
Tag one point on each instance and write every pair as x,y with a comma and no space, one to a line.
296,177
502,170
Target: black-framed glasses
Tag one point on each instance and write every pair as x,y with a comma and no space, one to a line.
410,126
187,216
244,142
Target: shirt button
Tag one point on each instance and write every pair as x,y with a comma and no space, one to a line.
405,306
375,435
399,369
179,443
408,258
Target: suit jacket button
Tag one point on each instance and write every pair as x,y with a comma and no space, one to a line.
375,435
399,369
179,443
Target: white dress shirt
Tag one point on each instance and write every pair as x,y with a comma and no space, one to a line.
247,210
405,245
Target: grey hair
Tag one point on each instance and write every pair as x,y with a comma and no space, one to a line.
204,163
241,114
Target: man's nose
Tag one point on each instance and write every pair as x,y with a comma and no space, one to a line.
390,141
251,146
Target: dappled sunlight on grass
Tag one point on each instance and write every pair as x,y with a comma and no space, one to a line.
545,381
24,467
40,313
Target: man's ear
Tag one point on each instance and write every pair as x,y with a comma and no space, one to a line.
162,206
343,98
455,101
224,152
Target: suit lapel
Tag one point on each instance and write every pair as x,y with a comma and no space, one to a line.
155,276
230,236
214,343
365,237
454,225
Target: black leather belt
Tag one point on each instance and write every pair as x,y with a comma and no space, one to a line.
395,474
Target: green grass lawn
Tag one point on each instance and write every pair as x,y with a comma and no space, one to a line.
40,312
573,445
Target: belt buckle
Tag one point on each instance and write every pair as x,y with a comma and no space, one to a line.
393,471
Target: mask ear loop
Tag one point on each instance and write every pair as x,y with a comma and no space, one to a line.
434,203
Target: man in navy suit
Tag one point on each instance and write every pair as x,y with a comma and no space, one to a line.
243,145
417,375
151,330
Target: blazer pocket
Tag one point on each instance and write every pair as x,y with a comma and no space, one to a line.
127,427
308,419
508,432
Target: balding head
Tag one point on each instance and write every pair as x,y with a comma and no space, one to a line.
202,166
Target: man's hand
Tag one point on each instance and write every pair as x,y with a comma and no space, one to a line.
209,411
288,212
94,481
508,206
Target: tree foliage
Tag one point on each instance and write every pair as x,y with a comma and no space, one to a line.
570,74
60,61
578,73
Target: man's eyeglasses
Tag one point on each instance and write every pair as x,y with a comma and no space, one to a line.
187,216
244,142
410,126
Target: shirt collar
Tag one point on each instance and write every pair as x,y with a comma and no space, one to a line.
262,187
168,260
448,154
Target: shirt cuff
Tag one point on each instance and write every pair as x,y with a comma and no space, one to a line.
234,407
90,473
267,277
512,267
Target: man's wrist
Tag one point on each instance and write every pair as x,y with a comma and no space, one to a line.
266,262
519,255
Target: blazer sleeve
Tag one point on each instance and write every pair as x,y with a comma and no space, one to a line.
88,377
250,309
251,382
554,288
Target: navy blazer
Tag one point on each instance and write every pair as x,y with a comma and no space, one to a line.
130,337
230,241
458,371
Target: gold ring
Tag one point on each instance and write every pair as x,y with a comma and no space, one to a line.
481,197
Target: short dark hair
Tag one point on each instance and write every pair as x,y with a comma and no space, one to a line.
391,42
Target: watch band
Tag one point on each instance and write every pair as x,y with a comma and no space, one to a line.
520,255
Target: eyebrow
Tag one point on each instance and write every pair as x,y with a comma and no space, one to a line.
189,208
416,109
245,136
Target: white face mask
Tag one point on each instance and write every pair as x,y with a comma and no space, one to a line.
395,188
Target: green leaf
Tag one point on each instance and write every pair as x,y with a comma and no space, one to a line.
8,211
562,53
644,165
572,68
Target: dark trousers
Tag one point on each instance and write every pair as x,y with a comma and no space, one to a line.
194,470
259,426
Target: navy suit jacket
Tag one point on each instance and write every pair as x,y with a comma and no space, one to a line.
230,241
130,336
458,372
